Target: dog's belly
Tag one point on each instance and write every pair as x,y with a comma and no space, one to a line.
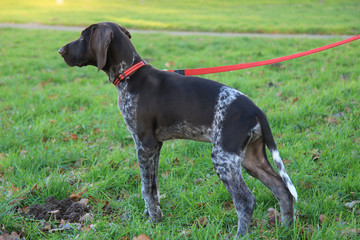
184,130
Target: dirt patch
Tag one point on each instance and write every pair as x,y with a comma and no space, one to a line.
53,209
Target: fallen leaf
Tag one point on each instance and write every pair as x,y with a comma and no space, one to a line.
46,226
84,201
54,212
175,162
201,205
74,137
96,131
286,161
307,231
315,154
322,218
199,180
165,174
274,217
137,178
66,226
43,83
332,120
228,206
141,237
352,204
191,162
349,232
305,185
185,233
77,79
277,66
53,97
86,218
14,188
16,201
14,236
34,188
201,222
258,223
135,165
94,199
23,209
113,164
76,197
347,109
106,204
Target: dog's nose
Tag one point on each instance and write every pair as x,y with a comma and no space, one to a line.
61,51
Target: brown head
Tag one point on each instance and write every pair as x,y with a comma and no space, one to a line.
100,45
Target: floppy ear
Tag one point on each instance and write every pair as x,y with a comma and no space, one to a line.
124,30
99,43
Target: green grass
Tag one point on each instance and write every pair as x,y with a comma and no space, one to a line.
312,104
275,16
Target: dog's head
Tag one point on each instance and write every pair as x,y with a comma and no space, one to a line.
93,45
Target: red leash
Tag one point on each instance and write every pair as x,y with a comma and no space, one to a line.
200,71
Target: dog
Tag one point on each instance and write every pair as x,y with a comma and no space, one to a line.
159,105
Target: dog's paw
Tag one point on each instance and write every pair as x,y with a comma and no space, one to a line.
155,214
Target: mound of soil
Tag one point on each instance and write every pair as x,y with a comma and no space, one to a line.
65,209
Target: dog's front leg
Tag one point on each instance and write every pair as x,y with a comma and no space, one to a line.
148,157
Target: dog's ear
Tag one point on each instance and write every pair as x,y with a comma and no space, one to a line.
99,43
124,30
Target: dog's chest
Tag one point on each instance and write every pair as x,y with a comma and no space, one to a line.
127,104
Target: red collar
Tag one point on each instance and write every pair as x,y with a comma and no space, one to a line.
127,73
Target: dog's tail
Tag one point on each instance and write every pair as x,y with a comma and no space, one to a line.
270,143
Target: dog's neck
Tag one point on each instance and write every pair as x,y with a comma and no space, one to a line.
125,57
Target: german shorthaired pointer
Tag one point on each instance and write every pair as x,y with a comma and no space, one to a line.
159,105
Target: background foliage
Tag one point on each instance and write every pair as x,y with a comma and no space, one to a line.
275,16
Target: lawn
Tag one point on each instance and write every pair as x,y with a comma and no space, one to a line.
62,134
275,16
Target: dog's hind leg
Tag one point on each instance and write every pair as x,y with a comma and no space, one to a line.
148,153
257,165
228,168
